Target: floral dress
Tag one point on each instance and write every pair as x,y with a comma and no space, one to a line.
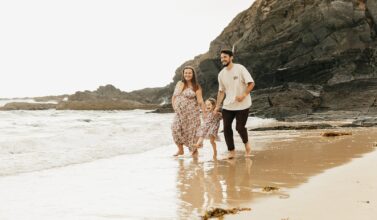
210,126
186,121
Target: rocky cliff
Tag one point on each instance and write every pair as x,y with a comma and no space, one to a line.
306,56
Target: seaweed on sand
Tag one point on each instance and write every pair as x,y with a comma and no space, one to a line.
334,134
219,212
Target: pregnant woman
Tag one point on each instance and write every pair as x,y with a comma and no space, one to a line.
187,98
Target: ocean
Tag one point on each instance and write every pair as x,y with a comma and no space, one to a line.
37,140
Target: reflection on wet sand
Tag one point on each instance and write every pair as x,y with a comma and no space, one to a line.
285,164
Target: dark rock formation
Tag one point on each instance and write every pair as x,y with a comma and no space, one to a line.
167,108
306,56
103,105
298,127
109,92
50,98
363,122
27,106
286,100
104,98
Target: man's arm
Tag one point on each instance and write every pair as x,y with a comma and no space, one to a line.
220,98
249,88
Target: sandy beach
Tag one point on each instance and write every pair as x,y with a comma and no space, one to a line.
317,177
97,97
346,192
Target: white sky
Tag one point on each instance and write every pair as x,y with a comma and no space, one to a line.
50,47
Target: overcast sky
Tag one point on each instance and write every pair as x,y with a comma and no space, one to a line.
59,47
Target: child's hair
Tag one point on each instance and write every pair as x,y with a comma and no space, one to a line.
212,101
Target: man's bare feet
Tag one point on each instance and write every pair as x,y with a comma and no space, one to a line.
231,155
248,150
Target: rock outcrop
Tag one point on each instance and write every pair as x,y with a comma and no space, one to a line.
50,98
27,106
305,55
104,98
104,105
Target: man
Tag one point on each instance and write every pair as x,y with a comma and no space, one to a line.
235,83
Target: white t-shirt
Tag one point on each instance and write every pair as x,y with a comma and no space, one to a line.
234,83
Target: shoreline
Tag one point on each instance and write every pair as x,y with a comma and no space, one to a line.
154,185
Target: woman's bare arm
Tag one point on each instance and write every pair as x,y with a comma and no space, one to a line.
199,97
177,86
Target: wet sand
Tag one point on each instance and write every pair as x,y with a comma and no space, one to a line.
284,162
332,186
348,192
316,175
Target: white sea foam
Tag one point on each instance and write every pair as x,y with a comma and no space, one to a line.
37,140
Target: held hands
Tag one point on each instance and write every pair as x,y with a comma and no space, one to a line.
216,110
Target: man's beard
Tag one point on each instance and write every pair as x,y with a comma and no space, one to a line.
226,64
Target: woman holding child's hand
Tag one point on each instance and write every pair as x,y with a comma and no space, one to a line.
186,100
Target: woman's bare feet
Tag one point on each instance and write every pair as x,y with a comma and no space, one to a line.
178,153
180,150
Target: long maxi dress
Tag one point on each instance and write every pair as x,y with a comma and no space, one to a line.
186,121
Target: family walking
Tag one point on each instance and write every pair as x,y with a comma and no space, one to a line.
235,85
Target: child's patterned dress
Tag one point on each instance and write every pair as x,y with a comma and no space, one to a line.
210,126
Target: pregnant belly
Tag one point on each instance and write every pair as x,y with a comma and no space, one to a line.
182,106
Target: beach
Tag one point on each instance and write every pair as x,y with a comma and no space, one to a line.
99,97
317,177
346,192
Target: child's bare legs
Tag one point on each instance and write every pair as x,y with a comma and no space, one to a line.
199,143
180,150
195,152
195,147
213,142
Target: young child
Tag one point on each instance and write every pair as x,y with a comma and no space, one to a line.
210,126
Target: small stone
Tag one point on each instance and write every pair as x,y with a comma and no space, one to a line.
269,188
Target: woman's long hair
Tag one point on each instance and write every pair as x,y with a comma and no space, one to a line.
194,83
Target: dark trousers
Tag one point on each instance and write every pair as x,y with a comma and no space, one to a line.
241,119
